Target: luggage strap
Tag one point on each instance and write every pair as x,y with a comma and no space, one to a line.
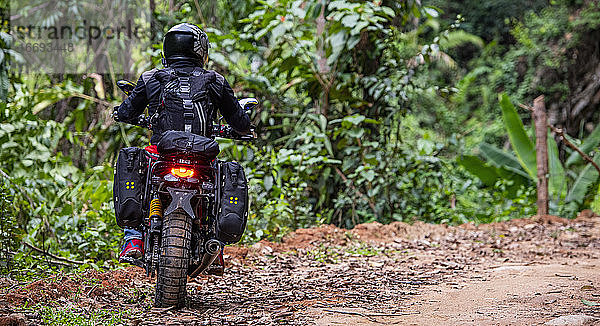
234,176
130,160
186,96
188,109
190,144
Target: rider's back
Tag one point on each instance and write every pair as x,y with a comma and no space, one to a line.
184,96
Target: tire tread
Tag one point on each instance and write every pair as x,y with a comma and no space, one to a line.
171,280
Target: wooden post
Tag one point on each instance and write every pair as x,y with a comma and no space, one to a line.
541,147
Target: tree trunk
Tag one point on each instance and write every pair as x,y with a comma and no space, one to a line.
323,68
583,78
153,27
541,146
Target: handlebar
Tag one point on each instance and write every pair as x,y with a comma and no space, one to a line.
222,131
142,121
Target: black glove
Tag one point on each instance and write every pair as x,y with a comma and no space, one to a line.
250,131
115,113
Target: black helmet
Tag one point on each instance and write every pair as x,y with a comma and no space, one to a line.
186,41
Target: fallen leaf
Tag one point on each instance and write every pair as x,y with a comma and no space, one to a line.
562,275
588,288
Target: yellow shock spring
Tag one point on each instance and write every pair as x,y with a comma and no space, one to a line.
155,208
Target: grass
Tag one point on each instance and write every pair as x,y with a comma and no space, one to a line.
73,315
333,254
363,250
324,254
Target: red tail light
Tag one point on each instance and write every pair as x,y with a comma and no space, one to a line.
182,172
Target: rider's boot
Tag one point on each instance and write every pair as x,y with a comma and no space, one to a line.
133,248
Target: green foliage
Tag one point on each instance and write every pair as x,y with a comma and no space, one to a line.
59,180
9,232
370,110
486,173
71,315
588,144
488,19
501,158
522,145
491,173
557,181
7,55
329,131
498,203
565,200
582,184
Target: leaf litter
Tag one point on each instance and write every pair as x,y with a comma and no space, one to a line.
376,273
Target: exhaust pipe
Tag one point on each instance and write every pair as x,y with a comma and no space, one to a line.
212,248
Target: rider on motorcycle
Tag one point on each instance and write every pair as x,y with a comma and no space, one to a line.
185,48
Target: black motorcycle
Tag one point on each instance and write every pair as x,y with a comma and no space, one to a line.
182,240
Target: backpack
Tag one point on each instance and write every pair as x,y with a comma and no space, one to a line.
185,103
233,215
129,185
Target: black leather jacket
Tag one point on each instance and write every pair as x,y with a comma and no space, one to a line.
148,89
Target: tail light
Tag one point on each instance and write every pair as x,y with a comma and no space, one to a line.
182,172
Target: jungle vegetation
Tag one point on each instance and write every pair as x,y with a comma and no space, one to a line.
371,111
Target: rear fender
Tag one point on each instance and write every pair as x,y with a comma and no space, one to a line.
181,198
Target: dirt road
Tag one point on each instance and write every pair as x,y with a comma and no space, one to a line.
523,272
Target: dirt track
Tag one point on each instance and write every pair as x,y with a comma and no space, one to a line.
522,272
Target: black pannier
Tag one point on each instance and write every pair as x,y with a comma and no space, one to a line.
173,142
231,220
129,185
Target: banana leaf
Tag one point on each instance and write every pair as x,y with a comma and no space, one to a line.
521,144
586,178
502,159
557,182
589,143
486,173
489,174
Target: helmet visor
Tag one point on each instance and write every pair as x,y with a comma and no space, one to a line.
179,45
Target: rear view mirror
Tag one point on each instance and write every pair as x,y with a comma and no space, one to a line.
248,104
126,86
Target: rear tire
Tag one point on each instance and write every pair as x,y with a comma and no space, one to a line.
174,258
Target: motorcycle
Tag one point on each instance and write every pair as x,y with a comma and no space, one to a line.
180,241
